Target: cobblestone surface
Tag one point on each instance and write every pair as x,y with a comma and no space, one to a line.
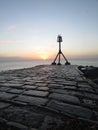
47,98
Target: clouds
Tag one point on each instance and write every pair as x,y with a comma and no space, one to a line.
10,41
11,27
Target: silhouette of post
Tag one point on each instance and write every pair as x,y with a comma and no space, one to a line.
59,39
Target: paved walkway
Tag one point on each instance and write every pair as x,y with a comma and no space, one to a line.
47,98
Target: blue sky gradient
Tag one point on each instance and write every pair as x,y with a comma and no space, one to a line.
28,28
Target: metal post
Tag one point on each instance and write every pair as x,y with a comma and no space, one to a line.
59,53
59,39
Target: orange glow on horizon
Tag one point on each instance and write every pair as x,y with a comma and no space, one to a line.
48,54
37,56
44,57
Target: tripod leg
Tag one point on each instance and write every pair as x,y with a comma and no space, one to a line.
64,57
59,58
67,63
55,59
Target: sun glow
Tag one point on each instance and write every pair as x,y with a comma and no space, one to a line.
44,57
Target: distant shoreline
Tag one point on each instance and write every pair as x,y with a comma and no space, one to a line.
19,64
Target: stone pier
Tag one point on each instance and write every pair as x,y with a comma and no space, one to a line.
48,97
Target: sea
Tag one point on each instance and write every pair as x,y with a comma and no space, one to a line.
21,64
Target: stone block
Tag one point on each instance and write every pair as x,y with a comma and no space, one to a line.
29,87
64,91
12,85
32,100
4,89
16,91
4,95
43,88
15,125
70,109
70,87
69,83
52,123
4,105
36,93
21,118
86,89
88,102
41,84
55,86
91,96
64,98
84,85
79,79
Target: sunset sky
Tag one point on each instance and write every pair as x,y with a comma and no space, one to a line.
29,28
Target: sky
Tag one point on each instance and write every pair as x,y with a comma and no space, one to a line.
29,28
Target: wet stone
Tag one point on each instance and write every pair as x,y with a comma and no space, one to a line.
59,80
33,129
52,123
41,84
36,93
3,124
96,90
55,86
39,81
15,81
70,83
86,89
4,95
70,109
27,78
4,105
12,85
70,87
43,88
64,91
80,94
88,101
45,96
32,100
19,103
29,87
84,85
14,125
22,117
91,96
29,83
16,91
64,98
80,79
4,89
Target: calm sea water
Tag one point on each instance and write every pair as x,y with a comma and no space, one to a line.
10,65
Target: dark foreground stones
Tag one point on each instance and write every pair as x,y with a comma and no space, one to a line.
48,98
90,72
